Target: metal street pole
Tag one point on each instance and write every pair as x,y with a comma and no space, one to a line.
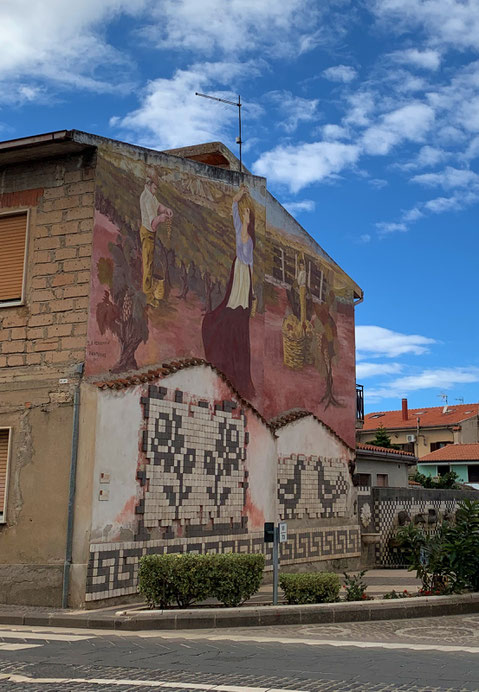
275,565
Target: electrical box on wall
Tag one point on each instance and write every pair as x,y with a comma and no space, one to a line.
104,477
104,494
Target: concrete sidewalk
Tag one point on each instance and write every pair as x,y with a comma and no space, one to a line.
379,582
258,611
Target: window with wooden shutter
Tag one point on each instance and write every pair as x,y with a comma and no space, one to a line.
13,233
4,439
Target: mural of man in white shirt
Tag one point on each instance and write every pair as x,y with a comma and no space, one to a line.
152,214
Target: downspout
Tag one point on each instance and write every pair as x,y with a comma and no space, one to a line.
72,489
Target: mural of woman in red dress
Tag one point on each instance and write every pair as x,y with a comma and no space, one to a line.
225,329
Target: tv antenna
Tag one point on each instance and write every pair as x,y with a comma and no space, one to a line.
460,399
443,398
238,105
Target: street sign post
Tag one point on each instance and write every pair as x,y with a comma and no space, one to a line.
275,535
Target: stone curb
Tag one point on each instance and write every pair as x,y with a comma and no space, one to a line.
253,616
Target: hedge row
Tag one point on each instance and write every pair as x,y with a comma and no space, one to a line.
232,578
316,587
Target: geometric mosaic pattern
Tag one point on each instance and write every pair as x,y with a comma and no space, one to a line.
387,521
312,487
390,506
113,567
195,473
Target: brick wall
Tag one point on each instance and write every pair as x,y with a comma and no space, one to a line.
49,330
41,342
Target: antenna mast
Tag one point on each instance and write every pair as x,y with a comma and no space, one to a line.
238,105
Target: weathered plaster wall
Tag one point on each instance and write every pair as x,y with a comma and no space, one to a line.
397,473
32,542
41,342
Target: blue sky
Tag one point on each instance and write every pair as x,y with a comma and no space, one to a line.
363,115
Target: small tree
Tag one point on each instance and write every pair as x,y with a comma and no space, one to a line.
382,439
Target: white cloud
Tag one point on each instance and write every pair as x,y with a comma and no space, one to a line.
365,238
301,165
456,202
364,370
410,123
385,227
440,379
378,183
333,132
449,178
298,207
425,59
236,27
294,109
340,73
472,151
412,214
448,23
361,107
61,42
170,115
379,341
430,156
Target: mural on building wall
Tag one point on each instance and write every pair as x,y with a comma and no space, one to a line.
185,265
202,480
194,477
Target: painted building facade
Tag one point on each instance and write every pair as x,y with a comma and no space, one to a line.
210,341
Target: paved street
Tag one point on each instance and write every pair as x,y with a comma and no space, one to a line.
435,654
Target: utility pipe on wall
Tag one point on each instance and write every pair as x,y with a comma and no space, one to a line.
72,488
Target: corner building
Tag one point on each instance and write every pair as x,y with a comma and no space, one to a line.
176,367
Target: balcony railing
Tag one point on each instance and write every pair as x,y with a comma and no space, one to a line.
359,403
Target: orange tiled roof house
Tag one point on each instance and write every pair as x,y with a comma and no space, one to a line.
422,431
463,459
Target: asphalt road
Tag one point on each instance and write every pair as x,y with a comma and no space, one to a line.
434,654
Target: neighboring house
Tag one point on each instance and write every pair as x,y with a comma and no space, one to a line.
423,430
382,467
176,356
461,458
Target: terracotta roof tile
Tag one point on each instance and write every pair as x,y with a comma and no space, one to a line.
428,416
468,452
375,448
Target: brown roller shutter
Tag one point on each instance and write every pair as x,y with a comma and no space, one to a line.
13,230
3,466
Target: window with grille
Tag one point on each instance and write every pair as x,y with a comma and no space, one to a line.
13,235
4,449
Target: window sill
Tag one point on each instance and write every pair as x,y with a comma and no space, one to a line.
11,304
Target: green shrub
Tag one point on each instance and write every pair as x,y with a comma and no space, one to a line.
356,587
187,578
237,576
447,480
398,594
192,578
314,587
155,578
448,560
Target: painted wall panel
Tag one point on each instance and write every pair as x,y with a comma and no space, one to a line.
191,265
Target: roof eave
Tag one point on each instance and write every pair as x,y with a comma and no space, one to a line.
40,146
384,455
